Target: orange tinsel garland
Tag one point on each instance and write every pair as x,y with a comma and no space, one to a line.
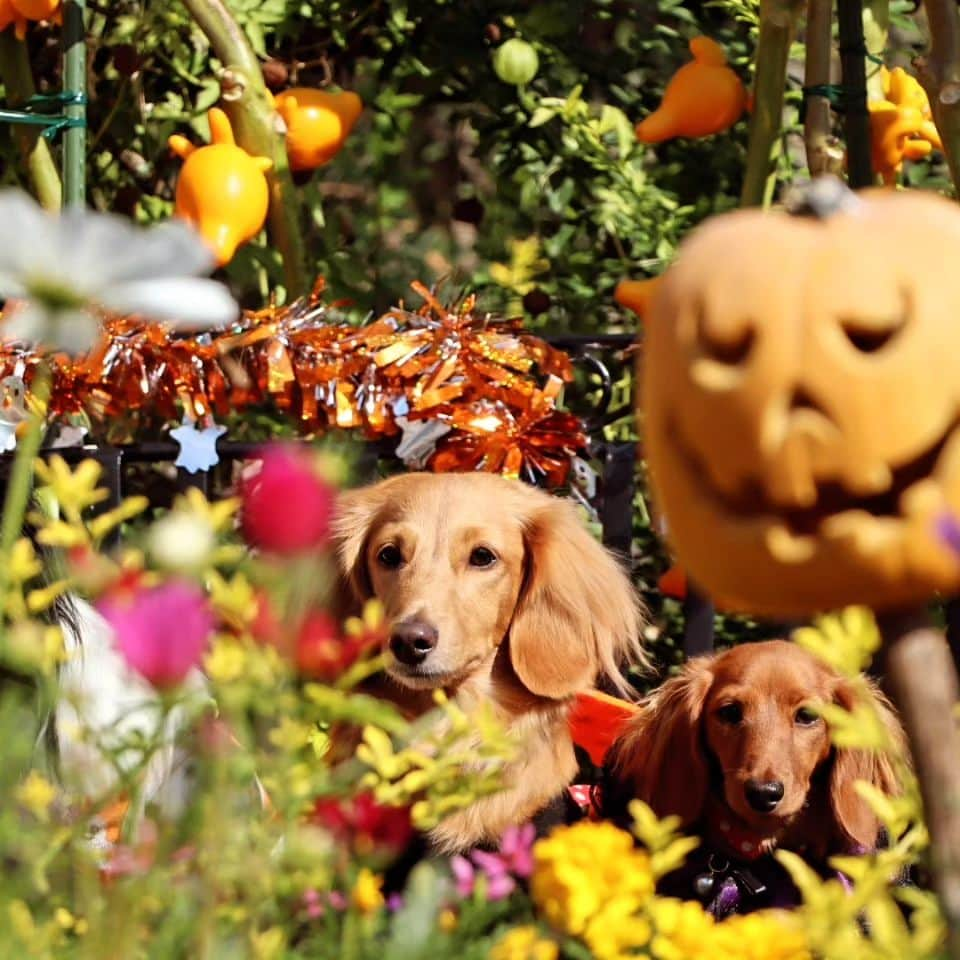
492,385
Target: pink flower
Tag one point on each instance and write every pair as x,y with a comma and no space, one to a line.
161,631
287,506
514,859
516,848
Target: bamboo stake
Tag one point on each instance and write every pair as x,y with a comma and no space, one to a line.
778,23
921,678
823,154
940,75
254,123
75,82
37,156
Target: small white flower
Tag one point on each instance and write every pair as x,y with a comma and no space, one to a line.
181,541
62,266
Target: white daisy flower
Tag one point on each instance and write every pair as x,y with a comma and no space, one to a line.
62,266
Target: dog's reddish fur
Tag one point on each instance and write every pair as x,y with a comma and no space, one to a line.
683,755
552,613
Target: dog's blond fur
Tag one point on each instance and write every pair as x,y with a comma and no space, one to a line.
524,634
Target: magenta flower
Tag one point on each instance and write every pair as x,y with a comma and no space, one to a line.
161,631
287,506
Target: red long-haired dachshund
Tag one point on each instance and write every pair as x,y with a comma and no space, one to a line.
734,747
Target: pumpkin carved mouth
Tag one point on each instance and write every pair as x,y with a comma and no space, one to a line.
833,498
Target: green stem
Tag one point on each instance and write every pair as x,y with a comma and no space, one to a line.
20,483
941,76
255,126
778,21
75,81
18,82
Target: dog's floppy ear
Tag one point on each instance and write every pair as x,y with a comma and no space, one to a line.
659,757
578,614
854,820
354,515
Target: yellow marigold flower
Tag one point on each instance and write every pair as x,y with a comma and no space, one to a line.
366,895
524,943
586,870
765,935
682,930
616,931
35,794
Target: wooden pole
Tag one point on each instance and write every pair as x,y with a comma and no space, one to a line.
823,154
921,679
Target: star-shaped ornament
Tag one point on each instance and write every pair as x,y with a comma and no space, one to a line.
198,448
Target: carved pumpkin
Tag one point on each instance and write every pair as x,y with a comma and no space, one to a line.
221,190
801,402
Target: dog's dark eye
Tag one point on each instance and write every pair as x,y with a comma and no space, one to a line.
731,713
805,717
389,556
482,557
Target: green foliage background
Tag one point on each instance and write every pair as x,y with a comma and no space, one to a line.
451,174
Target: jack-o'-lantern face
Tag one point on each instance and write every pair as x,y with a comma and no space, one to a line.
801,403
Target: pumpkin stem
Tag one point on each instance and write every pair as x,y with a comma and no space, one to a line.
822,198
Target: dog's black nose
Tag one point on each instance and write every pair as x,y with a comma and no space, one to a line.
763,796
412,640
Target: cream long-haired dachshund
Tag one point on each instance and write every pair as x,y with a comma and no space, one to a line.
496,593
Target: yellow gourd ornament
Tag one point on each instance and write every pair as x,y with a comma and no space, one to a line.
318,123
221,190
901,124
702,98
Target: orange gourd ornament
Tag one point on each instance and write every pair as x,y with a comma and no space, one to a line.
39,9
221,190
318,123
702,98
10,15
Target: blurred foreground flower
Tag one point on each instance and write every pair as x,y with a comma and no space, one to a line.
590,881
524,943
287,506
63,266
161,631
363,823
514,859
